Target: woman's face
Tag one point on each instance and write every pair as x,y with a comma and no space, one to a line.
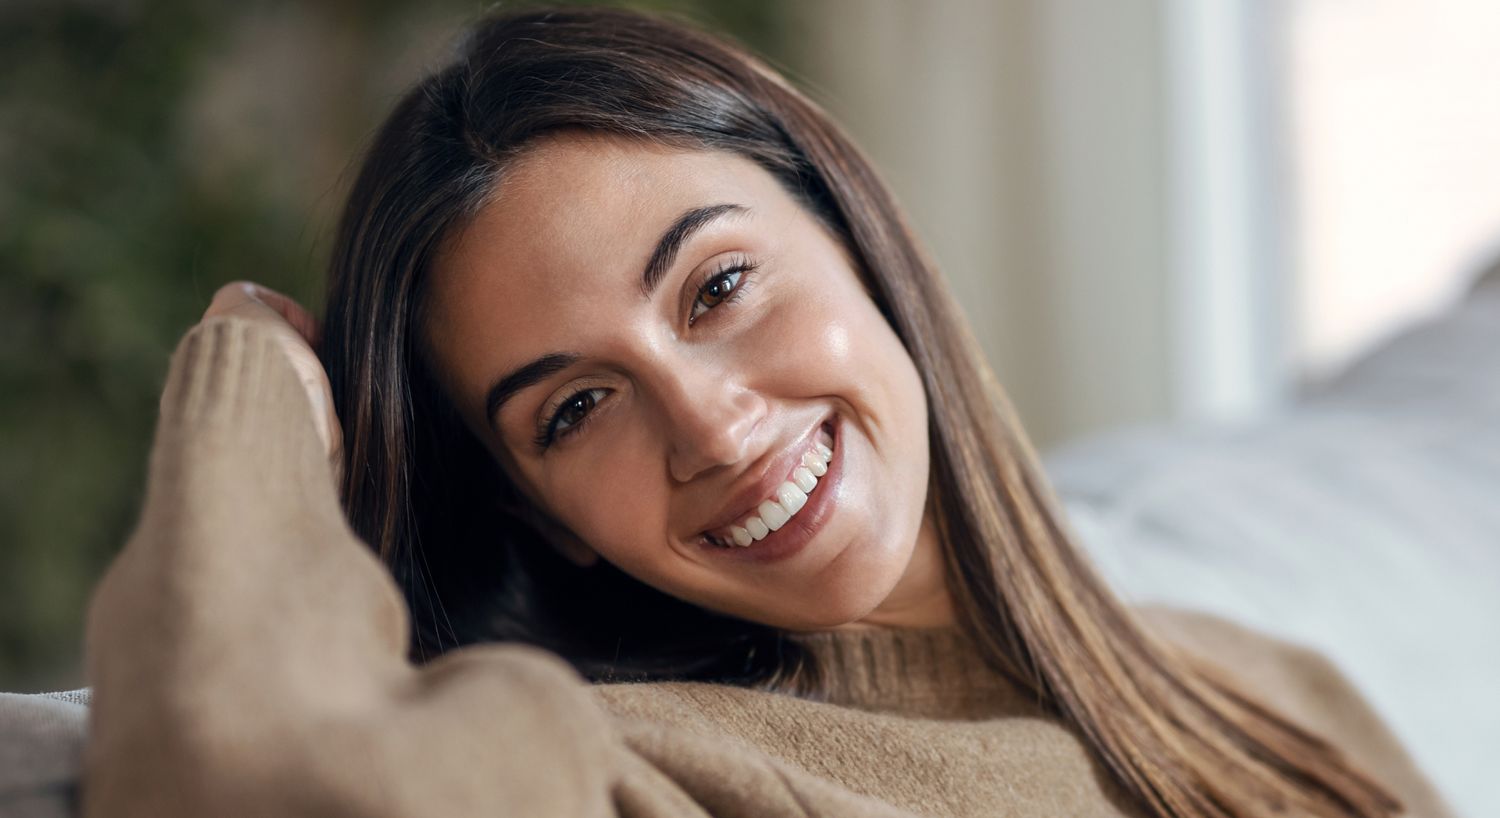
655,344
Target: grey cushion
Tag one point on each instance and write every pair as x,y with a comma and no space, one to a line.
1364,521
41,747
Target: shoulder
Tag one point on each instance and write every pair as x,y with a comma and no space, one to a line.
679,703
1298,679
776,723
761,751
697,706
1303,685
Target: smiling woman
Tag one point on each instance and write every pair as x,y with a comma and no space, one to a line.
660,411
637,365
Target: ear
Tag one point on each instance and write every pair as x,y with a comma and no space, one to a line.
562,539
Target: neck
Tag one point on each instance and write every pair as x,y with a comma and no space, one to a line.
920,598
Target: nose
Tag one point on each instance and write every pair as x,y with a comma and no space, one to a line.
710,417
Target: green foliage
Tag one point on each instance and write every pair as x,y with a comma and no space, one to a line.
118,220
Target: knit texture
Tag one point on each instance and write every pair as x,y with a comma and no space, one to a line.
247,654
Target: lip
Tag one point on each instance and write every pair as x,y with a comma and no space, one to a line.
807,522
745,502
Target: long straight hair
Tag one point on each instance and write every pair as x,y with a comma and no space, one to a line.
422,491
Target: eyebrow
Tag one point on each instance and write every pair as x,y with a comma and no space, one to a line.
533,373
671,241
677,235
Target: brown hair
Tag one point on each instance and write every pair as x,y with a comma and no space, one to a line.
418,487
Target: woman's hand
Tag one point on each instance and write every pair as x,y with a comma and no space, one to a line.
299,334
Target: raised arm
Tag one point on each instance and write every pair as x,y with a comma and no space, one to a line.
247,652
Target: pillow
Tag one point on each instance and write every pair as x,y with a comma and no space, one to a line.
1363,521
41,749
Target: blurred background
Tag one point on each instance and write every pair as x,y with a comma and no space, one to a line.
1180,216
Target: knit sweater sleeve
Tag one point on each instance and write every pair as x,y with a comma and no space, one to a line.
247,651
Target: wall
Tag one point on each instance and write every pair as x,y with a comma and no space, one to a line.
1025,140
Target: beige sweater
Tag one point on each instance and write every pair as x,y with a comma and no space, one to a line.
247,658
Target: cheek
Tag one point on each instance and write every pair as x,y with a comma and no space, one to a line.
895,403
857,340
818,335
909,399
607,500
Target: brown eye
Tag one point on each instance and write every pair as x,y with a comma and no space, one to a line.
572,412
724,286
717,291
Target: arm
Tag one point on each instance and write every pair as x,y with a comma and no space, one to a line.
247,652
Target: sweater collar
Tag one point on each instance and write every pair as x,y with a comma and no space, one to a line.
931,672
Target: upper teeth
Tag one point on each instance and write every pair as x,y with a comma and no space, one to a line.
789,498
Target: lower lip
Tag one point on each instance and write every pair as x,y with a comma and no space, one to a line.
791,538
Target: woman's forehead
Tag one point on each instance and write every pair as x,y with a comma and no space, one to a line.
571,194
563,243
575,208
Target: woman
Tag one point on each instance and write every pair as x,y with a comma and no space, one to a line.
632,357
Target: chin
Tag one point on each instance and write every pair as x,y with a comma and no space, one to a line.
853,599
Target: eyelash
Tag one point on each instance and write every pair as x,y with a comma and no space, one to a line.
744,267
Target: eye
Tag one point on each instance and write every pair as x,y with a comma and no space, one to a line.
723,285
570,416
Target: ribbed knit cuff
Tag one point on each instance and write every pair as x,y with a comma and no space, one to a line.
234,405
223,366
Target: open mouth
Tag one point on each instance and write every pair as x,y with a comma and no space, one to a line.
788,498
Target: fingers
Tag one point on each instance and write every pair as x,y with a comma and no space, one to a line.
236,296
315,383
300,319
